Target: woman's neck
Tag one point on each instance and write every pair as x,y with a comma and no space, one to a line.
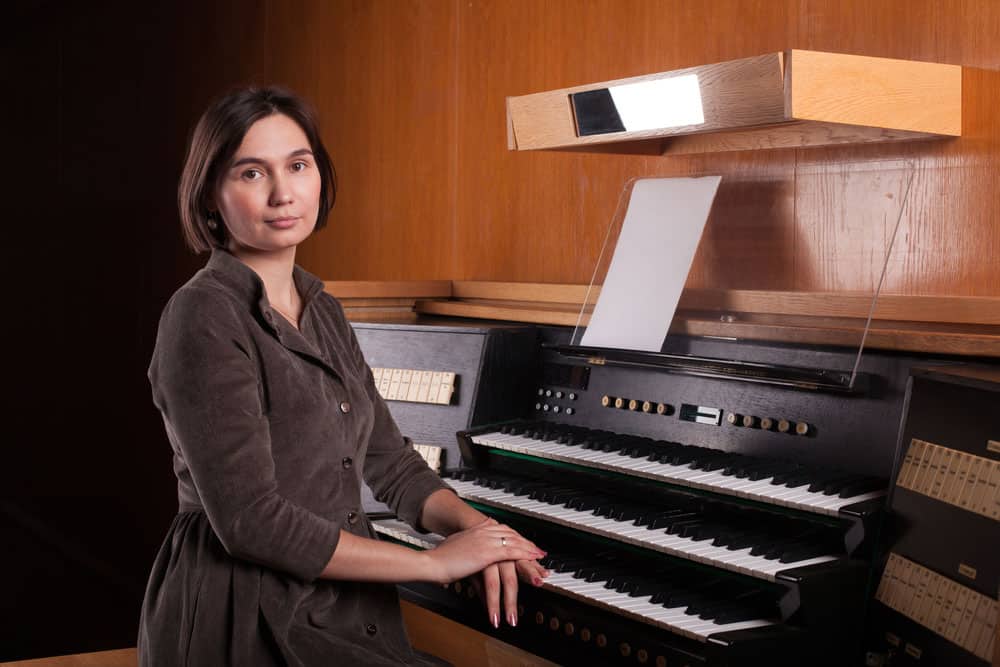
275,270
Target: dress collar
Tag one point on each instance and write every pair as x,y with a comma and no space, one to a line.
246,283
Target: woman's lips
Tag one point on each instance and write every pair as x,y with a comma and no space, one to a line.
282,223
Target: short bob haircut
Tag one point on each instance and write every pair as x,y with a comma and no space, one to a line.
214,141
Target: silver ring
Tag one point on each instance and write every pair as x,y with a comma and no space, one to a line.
503,541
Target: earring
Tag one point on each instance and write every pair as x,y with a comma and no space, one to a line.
212,224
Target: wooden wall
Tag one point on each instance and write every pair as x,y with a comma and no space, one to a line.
411,94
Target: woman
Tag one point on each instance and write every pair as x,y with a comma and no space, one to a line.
274,421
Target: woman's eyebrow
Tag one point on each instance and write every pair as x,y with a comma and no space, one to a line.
257,160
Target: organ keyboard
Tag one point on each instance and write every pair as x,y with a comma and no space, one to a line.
779,482
705,520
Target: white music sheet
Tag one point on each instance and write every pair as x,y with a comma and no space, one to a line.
659,236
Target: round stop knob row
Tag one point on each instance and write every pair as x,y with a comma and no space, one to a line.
769,424
635,405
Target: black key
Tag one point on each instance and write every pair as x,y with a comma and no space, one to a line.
799,479
683,596
626,512
782,477
565,563
737,464
863,485
592,573
727,535
639,587
710,462
585,503
759,606
804,552
676,527
666,521
819,481
769,471
682,456
649,515
773,547
740,540
562,496
759,470
834,487
743,613
706,608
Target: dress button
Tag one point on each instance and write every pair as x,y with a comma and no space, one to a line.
371,629
347,462
352,518
345,407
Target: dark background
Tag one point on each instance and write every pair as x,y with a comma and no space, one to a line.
97,104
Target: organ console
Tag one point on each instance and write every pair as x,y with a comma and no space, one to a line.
724,512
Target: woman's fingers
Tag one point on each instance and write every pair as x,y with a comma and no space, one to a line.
508,580
491,593
532,572
476,548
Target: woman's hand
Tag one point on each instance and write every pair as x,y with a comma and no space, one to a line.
473,550
502,578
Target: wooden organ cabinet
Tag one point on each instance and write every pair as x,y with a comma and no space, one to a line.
722,501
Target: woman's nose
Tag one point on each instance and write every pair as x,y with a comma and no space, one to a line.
280,194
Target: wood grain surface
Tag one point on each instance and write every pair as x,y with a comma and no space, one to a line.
412,95
126,657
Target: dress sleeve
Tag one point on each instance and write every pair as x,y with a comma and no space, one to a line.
396,473
205,381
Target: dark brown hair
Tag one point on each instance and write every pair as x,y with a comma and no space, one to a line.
214,141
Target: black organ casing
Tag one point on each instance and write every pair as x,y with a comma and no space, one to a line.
492,364
519,466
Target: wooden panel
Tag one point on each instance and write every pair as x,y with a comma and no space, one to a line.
461,645
879,92
382,74
126,657
359,289
967,310
961,339
793,134
412,96
949,232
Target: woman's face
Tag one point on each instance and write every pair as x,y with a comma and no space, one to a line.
268,196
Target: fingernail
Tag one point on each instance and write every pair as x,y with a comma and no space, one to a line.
536,581
512,620
495,618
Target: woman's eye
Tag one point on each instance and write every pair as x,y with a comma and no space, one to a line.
251,174
299,166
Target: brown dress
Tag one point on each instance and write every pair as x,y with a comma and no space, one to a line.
272,431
